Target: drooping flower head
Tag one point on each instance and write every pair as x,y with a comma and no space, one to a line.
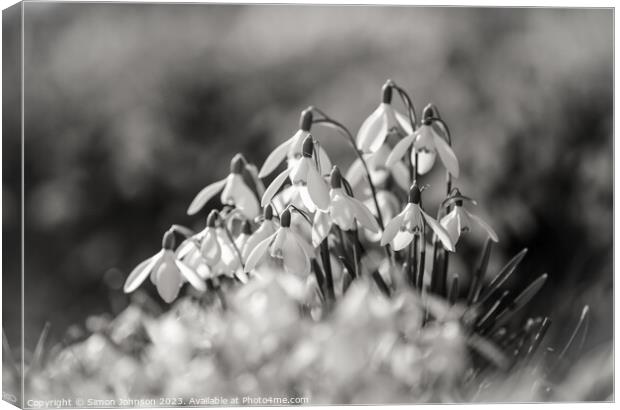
210,252
168,273
427,144
286,246
291,149
239,189
267,228
404,227
384,119
305,179
343,210
460,221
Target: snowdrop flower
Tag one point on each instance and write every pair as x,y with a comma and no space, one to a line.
284,245
427,143
305,178
459,221
343,210
210,251
268,227
169,273
235,190
404,227
379,172
291,149
385,118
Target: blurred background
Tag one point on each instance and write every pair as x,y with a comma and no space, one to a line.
131,109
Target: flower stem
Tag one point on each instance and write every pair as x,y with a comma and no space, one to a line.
327,267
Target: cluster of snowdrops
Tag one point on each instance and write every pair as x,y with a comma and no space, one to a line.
307,222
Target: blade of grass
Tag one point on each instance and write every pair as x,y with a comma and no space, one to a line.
582,324
521,300
503,275
478,276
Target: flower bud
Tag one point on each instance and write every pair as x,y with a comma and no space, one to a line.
268,213
335,178
305,120
414,193
212,219
429,113
386,92
237,164
285,219
308,147
168,241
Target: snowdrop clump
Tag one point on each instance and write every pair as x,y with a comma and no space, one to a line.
317,283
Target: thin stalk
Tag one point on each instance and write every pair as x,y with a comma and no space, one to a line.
420,275
327,267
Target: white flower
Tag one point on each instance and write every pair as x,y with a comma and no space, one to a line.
379,172
210,252
408,224
459,221
427,143
291,149
284,245
343,210
306,179
385,118
268,227
234,190
168,273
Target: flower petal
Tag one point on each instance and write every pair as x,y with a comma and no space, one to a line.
355,172
320,228
401,240
404,122
266,229
308,249
141,272
318,189
363,215
391,229
210,248
451,224
168,280
484,226
191,276
273,188
447,155
258,253
295,259
425,160
185,248
373,128
399,150
341,211
325,164
275,158
246,202
441,233
205,195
